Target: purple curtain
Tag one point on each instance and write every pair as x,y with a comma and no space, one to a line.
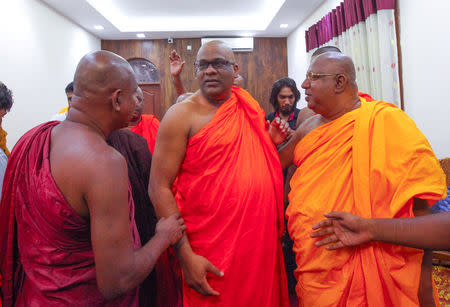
385,4
346,15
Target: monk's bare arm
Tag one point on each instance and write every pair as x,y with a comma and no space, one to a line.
176,67
303,115
178,85
170,149
168,156
286,151
305,126
119,267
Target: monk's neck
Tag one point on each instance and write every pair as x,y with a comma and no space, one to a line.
217,102
132,124
344,110
78,116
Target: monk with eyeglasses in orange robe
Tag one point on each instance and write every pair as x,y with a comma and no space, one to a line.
229,189
368,159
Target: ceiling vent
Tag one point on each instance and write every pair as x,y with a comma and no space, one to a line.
237,44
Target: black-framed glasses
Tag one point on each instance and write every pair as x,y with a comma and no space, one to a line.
216,64
311,76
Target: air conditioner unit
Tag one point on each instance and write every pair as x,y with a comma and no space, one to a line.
237,44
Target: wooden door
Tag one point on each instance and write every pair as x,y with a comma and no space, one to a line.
152,102
149,80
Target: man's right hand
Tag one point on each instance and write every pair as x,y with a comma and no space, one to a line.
342,229
171,228
176,64
195,269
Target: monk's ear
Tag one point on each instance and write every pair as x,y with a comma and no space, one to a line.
236,70
115,100
341,82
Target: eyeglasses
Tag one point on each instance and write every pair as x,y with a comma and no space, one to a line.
311,76
216,64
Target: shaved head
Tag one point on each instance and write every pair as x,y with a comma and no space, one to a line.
330,85
324,49
220,45
100,73
216,71
105,90
335,62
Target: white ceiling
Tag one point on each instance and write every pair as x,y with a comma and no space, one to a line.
123,19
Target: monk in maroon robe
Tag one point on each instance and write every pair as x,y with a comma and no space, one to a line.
67,230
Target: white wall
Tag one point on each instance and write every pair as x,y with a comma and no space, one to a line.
424,27
39,51
425,58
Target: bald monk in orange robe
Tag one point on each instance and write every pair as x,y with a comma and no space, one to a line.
229,190
67,230
146,125
369,159
306,112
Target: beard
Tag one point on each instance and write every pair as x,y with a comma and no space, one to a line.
286,110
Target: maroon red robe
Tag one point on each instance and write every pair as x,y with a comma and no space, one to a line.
47,257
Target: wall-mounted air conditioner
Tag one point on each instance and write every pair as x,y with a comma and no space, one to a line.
237,44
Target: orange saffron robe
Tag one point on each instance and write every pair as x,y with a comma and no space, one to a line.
230,194
370,162
147,128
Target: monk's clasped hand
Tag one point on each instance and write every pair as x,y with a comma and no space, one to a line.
171,228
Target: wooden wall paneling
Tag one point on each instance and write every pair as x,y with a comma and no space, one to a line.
260,68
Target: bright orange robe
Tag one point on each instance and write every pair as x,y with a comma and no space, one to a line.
147,128
230,194
370,162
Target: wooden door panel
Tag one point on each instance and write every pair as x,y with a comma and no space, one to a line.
152,102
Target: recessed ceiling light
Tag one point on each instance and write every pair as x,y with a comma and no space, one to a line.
140,35
98,27
258,19
284,25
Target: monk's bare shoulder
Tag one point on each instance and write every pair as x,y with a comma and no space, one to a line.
189,115
308,124
303,115
79,157
179,117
